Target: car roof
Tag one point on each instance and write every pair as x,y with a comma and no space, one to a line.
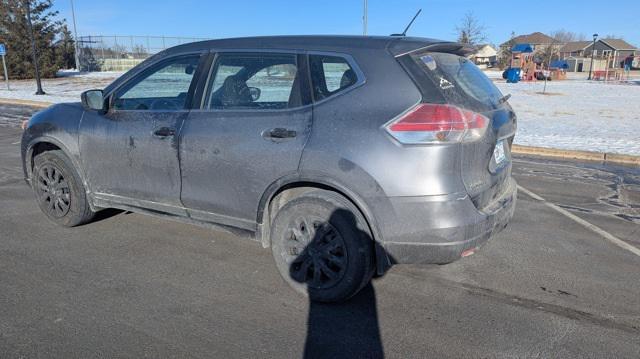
336,43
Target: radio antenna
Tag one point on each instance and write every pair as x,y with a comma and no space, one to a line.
404,33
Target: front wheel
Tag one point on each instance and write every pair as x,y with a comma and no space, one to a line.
59,189
322,246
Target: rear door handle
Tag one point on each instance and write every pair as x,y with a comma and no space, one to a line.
279,133
164,132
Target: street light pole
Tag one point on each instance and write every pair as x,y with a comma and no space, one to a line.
364,18
593,49
75,36
27,4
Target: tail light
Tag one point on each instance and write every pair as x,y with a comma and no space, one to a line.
437,123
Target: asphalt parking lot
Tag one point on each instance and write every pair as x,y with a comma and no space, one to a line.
134,286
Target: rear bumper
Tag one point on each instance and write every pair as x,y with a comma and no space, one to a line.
440,231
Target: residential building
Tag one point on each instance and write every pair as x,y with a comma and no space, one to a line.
537,40
484,56
606,52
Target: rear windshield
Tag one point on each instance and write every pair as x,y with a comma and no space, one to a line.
459,80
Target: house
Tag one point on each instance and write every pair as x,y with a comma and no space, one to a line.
609,53
484,56
574,49
537,40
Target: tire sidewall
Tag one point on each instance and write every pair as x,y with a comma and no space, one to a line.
78,206
357,239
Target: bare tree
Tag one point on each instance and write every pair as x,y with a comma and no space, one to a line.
560,37
612,36
563,36
470,31
504,56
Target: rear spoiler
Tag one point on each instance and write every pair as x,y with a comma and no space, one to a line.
401,48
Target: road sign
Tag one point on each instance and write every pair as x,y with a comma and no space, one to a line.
3,52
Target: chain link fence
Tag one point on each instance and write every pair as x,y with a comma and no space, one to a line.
121,53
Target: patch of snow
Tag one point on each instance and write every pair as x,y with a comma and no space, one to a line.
66,88
577,115
493,74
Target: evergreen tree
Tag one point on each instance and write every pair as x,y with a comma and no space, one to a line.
65,49
48,32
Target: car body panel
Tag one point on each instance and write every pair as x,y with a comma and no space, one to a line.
122,156
57,125
226,162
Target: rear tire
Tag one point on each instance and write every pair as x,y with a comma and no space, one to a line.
59,190
322,246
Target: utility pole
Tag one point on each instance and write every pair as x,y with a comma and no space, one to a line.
593,51
75,37
364,18
27,4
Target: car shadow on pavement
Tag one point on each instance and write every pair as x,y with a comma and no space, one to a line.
348,329
106,214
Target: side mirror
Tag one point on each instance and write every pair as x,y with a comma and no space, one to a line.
255,93
93,100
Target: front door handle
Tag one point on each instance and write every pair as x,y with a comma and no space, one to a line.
279,133
164,132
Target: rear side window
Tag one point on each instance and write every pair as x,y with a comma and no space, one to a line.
254,81
330,75
459,80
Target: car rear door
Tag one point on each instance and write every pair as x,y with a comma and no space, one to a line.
251,129
130,153
455,80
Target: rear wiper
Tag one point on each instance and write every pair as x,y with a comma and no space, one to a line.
504,99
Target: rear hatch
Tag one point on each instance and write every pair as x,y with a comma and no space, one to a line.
445,78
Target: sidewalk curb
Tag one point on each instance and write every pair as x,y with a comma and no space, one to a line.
11,101
577,155
517,149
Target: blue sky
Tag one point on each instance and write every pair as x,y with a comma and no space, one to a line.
215,19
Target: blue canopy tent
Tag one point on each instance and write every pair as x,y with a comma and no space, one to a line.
559,64
526,48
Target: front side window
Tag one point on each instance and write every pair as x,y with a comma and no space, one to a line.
163,88
330,75
254,81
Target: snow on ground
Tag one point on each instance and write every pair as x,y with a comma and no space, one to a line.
62,89
574,114
577,115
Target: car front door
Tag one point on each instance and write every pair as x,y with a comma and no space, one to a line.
130,153
250,132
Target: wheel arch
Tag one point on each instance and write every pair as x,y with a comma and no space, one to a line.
44,144
279,192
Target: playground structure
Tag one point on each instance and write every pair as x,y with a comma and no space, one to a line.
522,66
611,73
525,66
520,56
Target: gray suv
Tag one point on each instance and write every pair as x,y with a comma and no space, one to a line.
343,154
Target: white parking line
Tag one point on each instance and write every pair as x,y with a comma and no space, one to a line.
608,236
